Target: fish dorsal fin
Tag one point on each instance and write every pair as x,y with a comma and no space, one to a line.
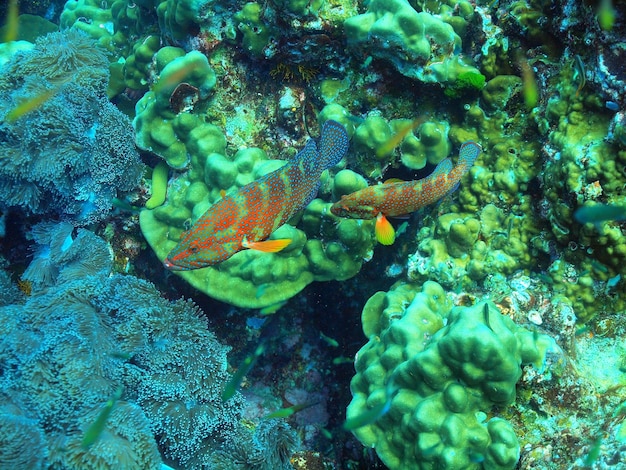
334,143
443,168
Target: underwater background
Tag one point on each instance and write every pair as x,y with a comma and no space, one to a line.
484,329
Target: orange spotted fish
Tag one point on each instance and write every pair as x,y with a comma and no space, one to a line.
246,218
394,199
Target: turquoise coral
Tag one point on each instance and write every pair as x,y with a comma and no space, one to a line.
449,366
88,332
63,159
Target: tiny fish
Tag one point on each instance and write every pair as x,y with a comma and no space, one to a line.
394,199
233,384
343,360
287,412
180,74
247,217
597,214
395,140
30,104
124,205
12,24
373,414
328,340
95,429
606,15
272,309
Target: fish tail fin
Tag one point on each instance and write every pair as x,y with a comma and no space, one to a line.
468,153
385,234
334,143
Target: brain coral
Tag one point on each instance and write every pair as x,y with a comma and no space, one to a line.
72,154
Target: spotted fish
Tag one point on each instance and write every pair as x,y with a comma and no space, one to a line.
247,218
394,199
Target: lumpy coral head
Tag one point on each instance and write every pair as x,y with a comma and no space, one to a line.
256,210
437,379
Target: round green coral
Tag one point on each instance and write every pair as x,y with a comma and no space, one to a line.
439,380
323,246
165,122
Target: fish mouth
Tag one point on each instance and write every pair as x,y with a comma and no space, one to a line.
171,266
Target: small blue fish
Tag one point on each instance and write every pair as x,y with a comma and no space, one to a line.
598,214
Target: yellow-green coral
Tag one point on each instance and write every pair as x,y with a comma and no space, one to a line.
440,369
430,145
323,246
165,122
418,44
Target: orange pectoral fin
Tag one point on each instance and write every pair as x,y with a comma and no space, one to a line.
267,246
385,234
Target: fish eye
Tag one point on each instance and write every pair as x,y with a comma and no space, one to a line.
193,247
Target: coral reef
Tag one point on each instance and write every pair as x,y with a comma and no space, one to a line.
223,92
420,45
104,332
70,157
438,381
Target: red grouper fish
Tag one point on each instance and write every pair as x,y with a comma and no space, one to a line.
394,199
247,217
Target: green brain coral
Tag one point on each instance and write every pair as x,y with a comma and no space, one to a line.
441,368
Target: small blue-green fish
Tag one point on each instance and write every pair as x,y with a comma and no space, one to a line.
594,452
598,214
261,290
374,414
272,309
95,430
124,205
342,360
234,383
328,340
287,412
12,24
